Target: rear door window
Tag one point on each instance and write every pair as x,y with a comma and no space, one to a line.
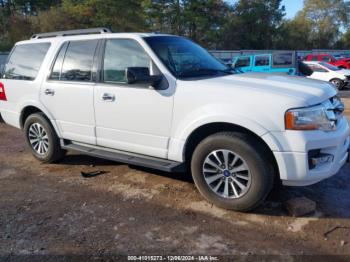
25,61
282,59
78,61
262,60
57,68
326,59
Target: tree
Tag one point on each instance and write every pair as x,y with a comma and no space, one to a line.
164,15
253,24
326,18
295,34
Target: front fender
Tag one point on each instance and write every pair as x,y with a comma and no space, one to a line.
205,116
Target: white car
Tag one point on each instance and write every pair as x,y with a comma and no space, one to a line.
327,72
163,102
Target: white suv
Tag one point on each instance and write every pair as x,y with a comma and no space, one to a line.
163,102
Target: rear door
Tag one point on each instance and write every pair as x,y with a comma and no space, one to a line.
262,63
68,93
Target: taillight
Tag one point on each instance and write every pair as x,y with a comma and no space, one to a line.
2,92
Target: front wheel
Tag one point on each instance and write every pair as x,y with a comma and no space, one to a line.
231,171
338,83
42,139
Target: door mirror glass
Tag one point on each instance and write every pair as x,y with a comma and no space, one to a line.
141,75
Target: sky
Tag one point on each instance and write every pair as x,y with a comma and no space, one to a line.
292,6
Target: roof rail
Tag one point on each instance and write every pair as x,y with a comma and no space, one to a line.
89,31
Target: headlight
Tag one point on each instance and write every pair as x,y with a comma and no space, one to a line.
311,118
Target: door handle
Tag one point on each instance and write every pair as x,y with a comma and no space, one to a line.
108,97
49,92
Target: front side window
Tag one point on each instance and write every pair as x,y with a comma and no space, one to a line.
243,62
185,59
262,60
314,58
78,61
25,61
121,54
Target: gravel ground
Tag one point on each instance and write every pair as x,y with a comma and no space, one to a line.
53,210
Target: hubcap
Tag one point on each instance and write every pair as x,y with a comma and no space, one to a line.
38,138
226,173
336,83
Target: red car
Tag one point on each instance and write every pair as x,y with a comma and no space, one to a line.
341,63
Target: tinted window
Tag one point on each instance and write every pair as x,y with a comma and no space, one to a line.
56,70
25,61
326,59
121,54
242,62
316,68
262,60
314,58
283,59
78,62
185,59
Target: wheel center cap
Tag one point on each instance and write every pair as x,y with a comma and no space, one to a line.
227,173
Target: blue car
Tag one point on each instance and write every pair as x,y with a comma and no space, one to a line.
276,62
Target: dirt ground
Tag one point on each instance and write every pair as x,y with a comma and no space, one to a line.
53,210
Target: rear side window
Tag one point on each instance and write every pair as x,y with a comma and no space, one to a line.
74,61
25,61
243,62
282,59
262,60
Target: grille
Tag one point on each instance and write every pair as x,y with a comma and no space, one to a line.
335,109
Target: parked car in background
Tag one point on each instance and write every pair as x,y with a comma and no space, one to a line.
341,63
276,62
327,72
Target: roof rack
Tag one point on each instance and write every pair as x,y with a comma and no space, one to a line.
89,31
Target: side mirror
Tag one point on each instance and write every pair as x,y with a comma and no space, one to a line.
141,75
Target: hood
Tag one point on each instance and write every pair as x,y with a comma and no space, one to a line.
345,72
306,91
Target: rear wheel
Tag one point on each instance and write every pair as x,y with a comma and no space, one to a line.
338,83
42,139
231,171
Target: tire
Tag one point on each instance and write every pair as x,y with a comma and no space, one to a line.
42,139
259,176
338,83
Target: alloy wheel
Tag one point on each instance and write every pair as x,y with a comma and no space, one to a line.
226,173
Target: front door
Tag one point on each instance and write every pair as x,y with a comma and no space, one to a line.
69,91
131,117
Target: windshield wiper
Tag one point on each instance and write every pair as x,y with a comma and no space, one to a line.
204,72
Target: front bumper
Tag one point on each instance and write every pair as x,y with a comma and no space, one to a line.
293,161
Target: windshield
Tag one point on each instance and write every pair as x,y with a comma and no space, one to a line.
186,59
329,66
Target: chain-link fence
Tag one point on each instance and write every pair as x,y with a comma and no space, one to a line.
227,55
3,57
